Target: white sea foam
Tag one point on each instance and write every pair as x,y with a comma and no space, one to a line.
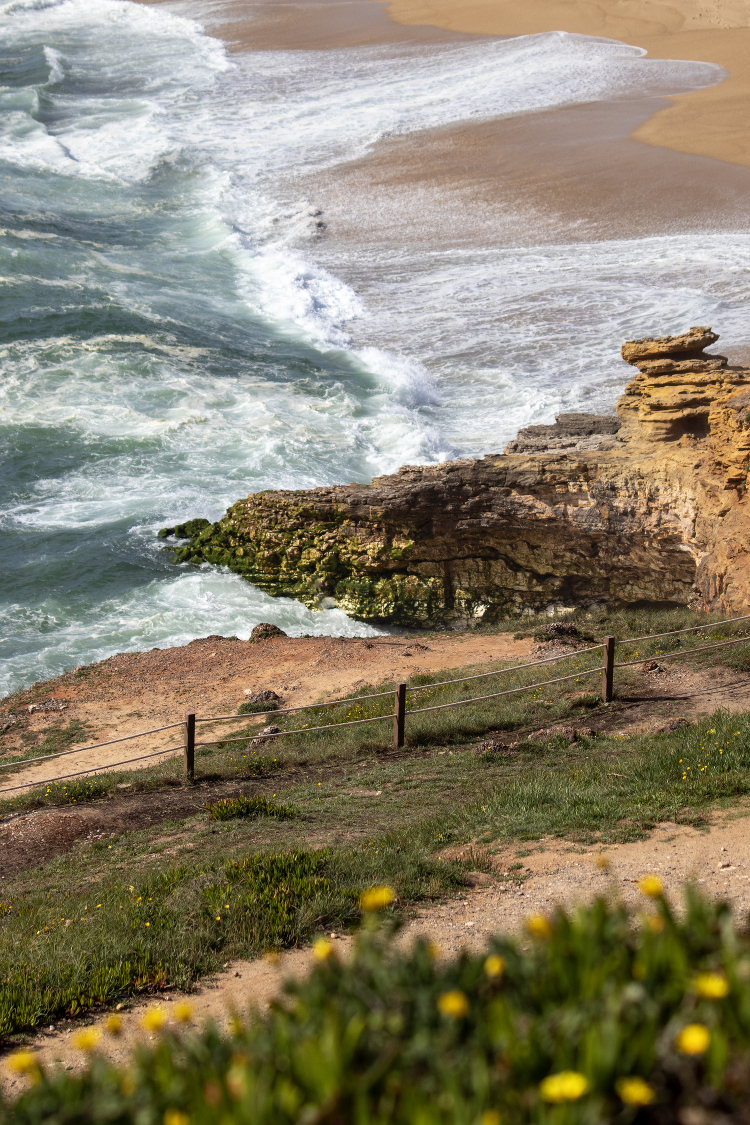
194,345
161,615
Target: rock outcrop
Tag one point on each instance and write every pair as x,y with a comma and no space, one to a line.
649,506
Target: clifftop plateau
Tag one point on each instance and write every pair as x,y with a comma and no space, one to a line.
648,506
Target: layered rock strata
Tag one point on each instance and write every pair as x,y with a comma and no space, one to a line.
646,507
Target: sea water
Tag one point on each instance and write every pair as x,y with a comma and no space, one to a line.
172,340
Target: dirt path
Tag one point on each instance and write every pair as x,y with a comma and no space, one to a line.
137,691
132,692
552,872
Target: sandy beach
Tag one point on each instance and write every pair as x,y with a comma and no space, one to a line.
585,171
710,122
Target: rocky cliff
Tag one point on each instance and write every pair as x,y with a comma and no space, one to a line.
649,506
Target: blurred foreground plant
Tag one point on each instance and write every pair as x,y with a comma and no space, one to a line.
598,1018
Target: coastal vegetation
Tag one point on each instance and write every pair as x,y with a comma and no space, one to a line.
593,1016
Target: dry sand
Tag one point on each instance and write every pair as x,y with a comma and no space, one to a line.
712,122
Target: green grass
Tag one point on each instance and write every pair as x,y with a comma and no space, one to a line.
165,928
55,740
116,919
228,808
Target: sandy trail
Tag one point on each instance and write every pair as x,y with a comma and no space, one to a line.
551,872
133,692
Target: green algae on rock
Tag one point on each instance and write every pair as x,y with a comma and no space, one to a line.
184,530
646,507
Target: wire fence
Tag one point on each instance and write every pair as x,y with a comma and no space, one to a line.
398,716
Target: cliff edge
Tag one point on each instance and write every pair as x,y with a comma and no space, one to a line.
648,506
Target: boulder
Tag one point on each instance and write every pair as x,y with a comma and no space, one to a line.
265,630
654,347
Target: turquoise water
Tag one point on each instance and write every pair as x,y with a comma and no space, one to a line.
172,335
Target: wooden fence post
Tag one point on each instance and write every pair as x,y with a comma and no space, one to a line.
399,715
608,669
190,746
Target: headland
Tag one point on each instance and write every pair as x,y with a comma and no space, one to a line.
647,506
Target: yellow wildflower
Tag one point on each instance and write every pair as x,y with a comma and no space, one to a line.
24,1062
712,986
377,898
567,1086
113,1024
87,1038
539,926
183,1012
454,1003
175,1117
154,1019
634,1091
236,1083
322,949
494,966
651,886
693,1039
490,1117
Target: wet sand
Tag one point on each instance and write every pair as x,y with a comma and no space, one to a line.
712,122
566,174
312,25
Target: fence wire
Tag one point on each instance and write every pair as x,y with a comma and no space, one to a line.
378,695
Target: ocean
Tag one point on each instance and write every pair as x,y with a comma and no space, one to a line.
177,330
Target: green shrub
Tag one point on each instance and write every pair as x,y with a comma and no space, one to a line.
584,1023
77,789
250,806
256,708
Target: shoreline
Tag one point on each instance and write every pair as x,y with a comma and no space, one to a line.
565,173
710,122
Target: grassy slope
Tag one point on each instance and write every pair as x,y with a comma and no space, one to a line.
143,909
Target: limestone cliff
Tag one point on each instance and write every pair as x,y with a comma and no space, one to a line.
648,506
